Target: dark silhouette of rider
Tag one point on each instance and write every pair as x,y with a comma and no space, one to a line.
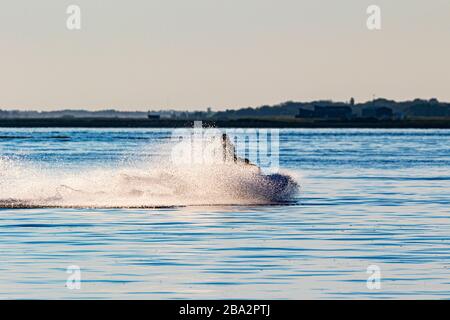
229,151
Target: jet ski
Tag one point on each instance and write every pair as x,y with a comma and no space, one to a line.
273,187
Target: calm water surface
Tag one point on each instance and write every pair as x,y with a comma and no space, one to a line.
369,197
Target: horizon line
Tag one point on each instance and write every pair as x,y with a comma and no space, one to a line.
225,109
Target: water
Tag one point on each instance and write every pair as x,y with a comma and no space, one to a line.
368,198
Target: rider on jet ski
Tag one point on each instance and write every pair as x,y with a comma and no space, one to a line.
229,153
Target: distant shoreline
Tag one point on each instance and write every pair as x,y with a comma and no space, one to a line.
240,123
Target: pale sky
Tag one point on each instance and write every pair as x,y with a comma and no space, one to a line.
193,54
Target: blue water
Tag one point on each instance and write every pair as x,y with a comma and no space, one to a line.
368,198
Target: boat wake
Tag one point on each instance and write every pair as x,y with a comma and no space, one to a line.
143,185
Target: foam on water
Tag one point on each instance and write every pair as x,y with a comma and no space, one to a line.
149,183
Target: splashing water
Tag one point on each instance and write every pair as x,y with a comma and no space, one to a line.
150,183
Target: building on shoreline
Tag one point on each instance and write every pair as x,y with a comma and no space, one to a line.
381,113
326,112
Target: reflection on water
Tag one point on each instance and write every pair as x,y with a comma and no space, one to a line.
369,197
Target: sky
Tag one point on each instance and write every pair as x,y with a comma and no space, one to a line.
223,54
